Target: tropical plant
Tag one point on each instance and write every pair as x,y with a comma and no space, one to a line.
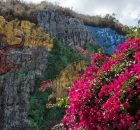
133,31
46,108
63,81
59,57
107,95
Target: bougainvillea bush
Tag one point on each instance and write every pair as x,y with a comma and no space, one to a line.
107,96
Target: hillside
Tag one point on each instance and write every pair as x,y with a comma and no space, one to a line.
23,11
57,66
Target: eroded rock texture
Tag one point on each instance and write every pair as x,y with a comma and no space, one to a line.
106,38
73,32
20,66
34,36
68,30
16,86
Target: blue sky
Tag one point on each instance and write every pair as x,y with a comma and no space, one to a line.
127,11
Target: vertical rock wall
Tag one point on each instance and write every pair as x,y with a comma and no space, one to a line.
17,85
23,64
106,38
68,30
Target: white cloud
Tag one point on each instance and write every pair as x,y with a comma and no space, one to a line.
69,3
127,11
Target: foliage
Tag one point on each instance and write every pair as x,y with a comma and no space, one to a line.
133,31
107,94
92,48
58,59
62,83
12,9
37,110
39,115
64,80
60,103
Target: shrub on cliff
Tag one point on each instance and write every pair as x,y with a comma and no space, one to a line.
107,94
133,31
39,115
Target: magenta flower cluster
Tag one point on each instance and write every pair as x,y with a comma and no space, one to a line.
107,95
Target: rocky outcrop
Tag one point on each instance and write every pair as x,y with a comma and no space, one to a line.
68,30
34,36
73,32
106,38
17,84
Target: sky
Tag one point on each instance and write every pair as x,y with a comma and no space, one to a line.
127,11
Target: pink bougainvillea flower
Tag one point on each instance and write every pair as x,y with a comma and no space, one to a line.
102,98
137,56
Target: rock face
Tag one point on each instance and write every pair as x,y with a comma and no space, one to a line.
34,36
18,82
70,31
16,86
106,38
73,32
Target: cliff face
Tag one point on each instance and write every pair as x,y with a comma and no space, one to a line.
106,38
73,32
17,85
68,30
34,36
19,81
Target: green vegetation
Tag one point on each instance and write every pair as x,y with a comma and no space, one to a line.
39,115
133,31
59,58
92,48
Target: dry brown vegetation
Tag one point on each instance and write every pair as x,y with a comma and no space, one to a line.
12,9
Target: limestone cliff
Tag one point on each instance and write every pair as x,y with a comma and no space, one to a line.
68,30
106,38
17,84
35,36
73,32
